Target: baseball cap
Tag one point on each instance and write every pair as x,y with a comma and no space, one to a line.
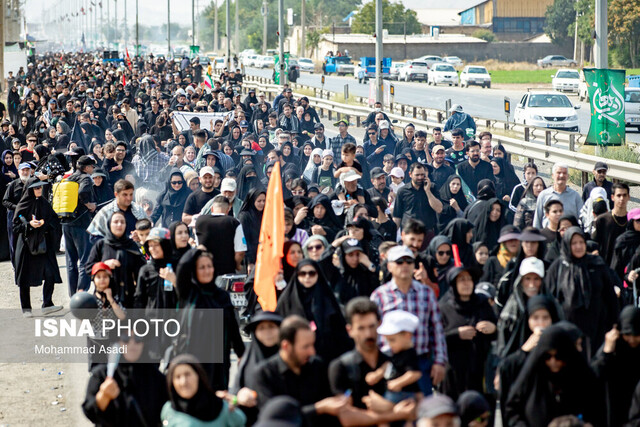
399,252
351,245
487,289
228,184
436,405
344,121
159,233
397,172
397,321
600,166
28,166
532,265
318,126
456,108
244,124
383,124
350,176
206,170
85,161
633,214
509,232
437,148
376,172
100,266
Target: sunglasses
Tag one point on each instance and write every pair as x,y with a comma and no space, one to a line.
404,261
442,253
371,133
176,182
315,248
309,273
32,140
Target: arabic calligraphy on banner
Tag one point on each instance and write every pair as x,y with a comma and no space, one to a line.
606,94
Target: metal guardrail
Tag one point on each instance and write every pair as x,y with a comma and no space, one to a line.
624,171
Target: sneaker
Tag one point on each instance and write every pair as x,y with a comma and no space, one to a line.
51,309
27,314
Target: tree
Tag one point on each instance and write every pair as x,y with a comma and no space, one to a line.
485,35
559,19
394,18
624,31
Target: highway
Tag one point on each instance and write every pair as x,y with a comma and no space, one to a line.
478,102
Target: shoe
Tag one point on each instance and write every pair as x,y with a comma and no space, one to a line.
51,309
27,314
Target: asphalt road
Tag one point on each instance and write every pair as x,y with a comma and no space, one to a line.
476,101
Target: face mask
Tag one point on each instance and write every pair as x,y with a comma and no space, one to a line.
41,130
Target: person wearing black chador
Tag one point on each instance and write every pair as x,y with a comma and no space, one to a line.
171,201
309,296
555,380
616,364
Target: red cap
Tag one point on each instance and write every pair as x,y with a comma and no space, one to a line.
99,266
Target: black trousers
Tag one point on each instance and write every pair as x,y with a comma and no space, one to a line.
47,294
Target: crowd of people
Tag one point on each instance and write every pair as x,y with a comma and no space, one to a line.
423,279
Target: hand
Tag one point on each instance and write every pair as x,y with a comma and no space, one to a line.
610,339
406,409
632,276
379,150
167,274
454,204
364,259
496,381
421,274
392,197
247,397
506,198
331,405
43,177
392,385
486,327
372,378
317,229
112,263
109,388
36,223
135,237
437,374
109,294
427,184
11,174
532,341
91,206
377,403
301,215
467,332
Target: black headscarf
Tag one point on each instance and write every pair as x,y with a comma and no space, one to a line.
446,195
437,272
287,269
175,198
6,169
177,253
486,189
30,206
574,276
330,220
204,405
487,231
125,126
317,304
507,179
247,183
457,231
251,220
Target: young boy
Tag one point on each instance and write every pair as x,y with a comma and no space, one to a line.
143,228
349,162
553,211
402,373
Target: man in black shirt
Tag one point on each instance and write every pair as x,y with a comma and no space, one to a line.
379,184
474,170
610,225
456,154
438,140
441,169
417,201
196,200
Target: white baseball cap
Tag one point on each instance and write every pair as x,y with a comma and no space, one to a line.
207,170
399,252
228,184
397,172
532,265
383,124
398,321
350,176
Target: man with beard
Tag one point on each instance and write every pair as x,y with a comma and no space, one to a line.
196,200
441,169
418,201
474,170
379,184
119,168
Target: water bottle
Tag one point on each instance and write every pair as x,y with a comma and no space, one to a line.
168,286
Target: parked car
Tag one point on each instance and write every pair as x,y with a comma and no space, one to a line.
340,65
556,61
395,70
204,60
249,60
442,73
566,80
475,75
429,59
414,70
583,90
632,107
551,110
264,61
306,64
453,60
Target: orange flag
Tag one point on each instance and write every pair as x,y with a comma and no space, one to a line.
270,243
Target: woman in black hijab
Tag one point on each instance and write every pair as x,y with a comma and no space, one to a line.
250,216
439,262
101,187
129,133
192,401
469,325
506,178
453,201
626,245
554,381
460,232
321,213
150,293
170,203
196,289
37,228
488,218
247,181
234,137
357,273
308,295
582,285
616,364
179,240
122,255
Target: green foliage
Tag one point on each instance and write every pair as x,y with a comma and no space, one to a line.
485,35
559,18
393,18
586,21
624,24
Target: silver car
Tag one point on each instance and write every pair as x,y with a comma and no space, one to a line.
556,61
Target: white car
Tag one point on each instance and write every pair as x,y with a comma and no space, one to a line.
414,70
249,60
632,107
264,61
429,59
442,73
395,70
583,90
551,110
453,60
306,64
475,75
566,80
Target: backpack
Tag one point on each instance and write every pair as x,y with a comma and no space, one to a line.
65,198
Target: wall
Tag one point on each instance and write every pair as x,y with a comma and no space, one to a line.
513,8
468,52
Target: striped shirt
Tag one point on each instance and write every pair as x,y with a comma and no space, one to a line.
421,301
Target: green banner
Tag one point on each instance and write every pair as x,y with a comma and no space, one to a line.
276,68
606,95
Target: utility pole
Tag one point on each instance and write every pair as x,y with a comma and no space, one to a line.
265,23
236,40
302,28
3,8
193,23
137,31
575,38
216,44
115,23
601,52
168,28
379,93
108,25
126,29
283,76
228,30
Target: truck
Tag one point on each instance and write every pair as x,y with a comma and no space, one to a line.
367,69
340,65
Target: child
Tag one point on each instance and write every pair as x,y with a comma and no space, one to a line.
349,162
402,373
553,211
397,179
481,252
140,234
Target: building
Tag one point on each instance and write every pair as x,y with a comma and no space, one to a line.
508,18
